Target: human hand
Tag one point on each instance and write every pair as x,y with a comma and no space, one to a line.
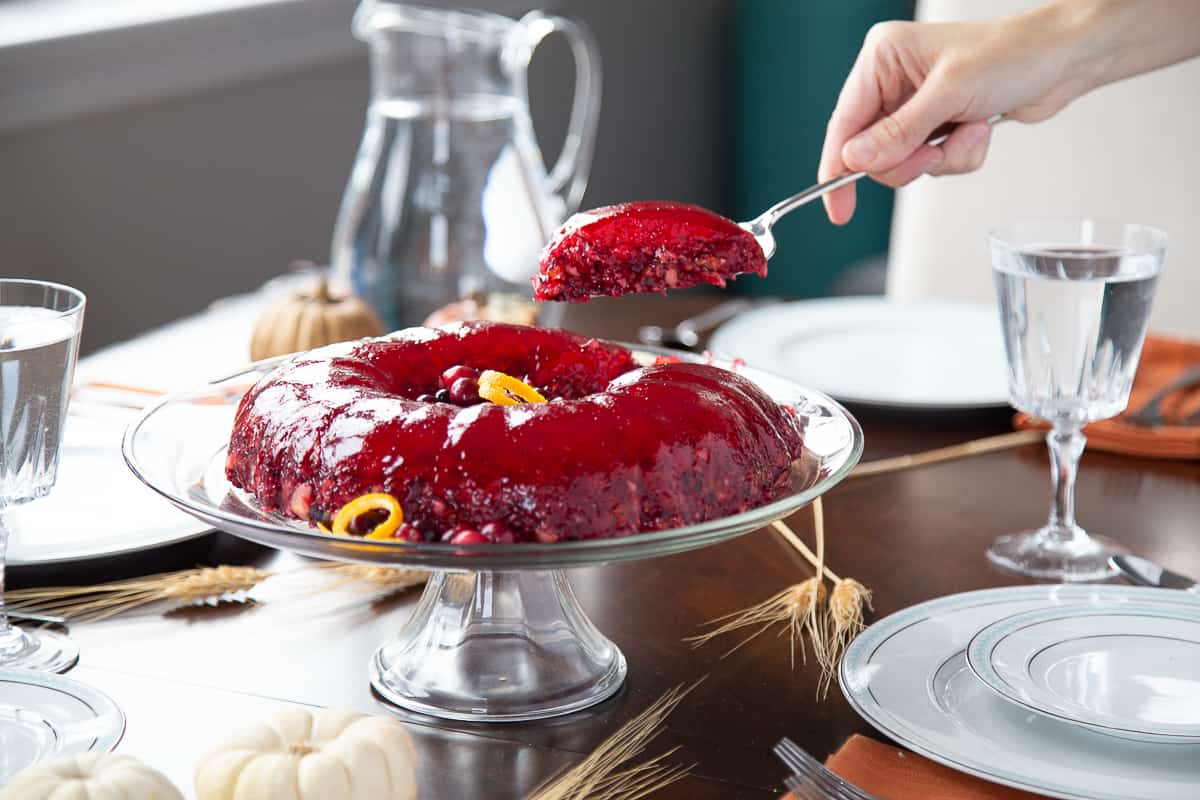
911,78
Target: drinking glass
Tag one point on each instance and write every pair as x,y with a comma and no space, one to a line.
39,338
1075,295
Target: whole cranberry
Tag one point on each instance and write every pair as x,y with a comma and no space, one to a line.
497,532
464,391
468,536
408,532
425,398
441,396
456,373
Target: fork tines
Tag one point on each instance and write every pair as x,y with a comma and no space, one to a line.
812,779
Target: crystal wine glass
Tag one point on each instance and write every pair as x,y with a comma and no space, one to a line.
1075,295
39,338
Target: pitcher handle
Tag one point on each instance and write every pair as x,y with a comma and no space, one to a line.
569,176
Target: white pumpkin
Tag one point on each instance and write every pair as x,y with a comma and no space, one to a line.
326,754
91,776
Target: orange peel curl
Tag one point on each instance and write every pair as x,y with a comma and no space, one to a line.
375,501
505,390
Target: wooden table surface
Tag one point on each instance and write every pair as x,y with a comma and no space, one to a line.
186,679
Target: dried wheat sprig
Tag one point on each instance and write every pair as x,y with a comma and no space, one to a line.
372,578
204,584
846,618
988,444
802,610
93,603
797,608
795,541
792,608
846,613
597,776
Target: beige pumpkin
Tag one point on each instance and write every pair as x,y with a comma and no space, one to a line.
326,754
91,776
312,318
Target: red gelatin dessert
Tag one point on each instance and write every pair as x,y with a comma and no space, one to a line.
615,449
644,247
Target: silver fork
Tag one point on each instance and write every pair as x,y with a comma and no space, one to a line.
1151,415
812,779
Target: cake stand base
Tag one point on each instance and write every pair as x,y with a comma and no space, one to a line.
498,647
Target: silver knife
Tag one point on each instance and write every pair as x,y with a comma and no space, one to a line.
1145,572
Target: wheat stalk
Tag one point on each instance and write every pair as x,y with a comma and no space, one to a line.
988,444
93,603
796,609
599,777
802,610
191,586
371,578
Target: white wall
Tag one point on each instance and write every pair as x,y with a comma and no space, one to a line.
1126,152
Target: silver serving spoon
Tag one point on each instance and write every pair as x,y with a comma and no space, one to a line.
760,226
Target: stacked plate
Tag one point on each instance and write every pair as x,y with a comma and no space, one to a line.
1066,691
45,716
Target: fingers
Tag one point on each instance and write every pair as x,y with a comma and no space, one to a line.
896,137
858,104
924,161
840,204
965,150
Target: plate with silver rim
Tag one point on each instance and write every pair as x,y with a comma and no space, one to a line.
97,508
45,716
933,355
1128,670
907,675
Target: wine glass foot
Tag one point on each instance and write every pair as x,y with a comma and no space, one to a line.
1038,554
40,650
498,647
26,738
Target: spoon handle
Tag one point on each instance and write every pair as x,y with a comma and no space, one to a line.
768,217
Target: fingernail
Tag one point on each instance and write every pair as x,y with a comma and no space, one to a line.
861,150
934,162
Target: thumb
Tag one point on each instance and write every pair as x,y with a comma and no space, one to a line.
892,139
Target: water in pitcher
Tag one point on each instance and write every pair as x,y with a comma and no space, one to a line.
1074,320
37,352
442,206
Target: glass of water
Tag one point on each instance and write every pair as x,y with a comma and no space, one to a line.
1074,297
39,338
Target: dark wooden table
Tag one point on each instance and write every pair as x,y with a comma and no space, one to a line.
186,679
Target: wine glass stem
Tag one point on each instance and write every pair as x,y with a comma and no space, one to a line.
1066,447
7,632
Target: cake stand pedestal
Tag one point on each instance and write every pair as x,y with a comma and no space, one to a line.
498,647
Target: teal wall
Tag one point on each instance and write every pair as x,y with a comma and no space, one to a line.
789,60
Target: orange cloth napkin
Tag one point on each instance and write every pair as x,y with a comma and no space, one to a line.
892,774
1162,360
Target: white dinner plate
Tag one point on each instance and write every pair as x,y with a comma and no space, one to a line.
873,351
45,716
908,676
1131,670
97,506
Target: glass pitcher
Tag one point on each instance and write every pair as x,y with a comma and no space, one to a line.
449,195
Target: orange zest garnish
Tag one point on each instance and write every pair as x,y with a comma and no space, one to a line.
505,390
376,501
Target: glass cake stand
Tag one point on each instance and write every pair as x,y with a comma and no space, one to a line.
498,634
